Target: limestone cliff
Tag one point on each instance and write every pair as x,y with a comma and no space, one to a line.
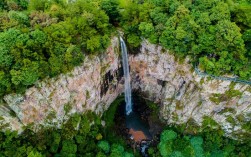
184,97
91,86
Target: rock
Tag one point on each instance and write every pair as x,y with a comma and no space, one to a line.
183,95
77,91
155,73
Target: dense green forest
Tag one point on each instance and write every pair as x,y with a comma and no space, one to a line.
43,38
80,136
85,136
216,34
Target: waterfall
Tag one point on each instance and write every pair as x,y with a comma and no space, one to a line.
128,92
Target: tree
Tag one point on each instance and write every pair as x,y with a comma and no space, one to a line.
34,153
93,44
146,28
166,142
20,17
5,83
3,5
197,143
5,58
104,146
158,15
242,15
176,154
111,9
68,147
29,72
117,150
168,135
37,5
220,12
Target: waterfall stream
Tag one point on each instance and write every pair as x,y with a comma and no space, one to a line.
128,92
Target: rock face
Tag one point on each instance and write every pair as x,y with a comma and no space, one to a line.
185,97
91,86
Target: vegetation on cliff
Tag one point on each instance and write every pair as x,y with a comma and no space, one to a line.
44,38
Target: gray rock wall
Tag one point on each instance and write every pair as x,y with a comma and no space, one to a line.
184,96
87,87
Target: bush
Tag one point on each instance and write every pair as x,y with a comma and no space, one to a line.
104,146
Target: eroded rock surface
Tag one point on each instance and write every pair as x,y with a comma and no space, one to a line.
185,96
85,88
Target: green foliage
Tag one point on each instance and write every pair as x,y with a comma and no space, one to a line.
209,122
20,17
109,115
228,95
168,135
112,10
53,141
110,126
68,147
176,154
48,39
35,154
13,4
118,151
197,143
37,5
165,148
104,146
210,32
83,142
210,142
56,138
166,142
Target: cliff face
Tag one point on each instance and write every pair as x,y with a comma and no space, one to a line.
91,86
184,97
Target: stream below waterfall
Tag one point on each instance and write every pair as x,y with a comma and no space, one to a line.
140,128
136,119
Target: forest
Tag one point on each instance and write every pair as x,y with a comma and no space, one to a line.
44,38
41,39
83,135
216,34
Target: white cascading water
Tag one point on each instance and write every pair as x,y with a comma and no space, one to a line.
128,92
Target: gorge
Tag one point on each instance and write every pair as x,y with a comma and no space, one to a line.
184,97
125,78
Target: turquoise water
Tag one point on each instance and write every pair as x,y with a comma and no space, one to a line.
134,122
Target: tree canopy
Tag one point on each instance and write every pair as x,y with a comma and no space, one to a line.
214,33
45,38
